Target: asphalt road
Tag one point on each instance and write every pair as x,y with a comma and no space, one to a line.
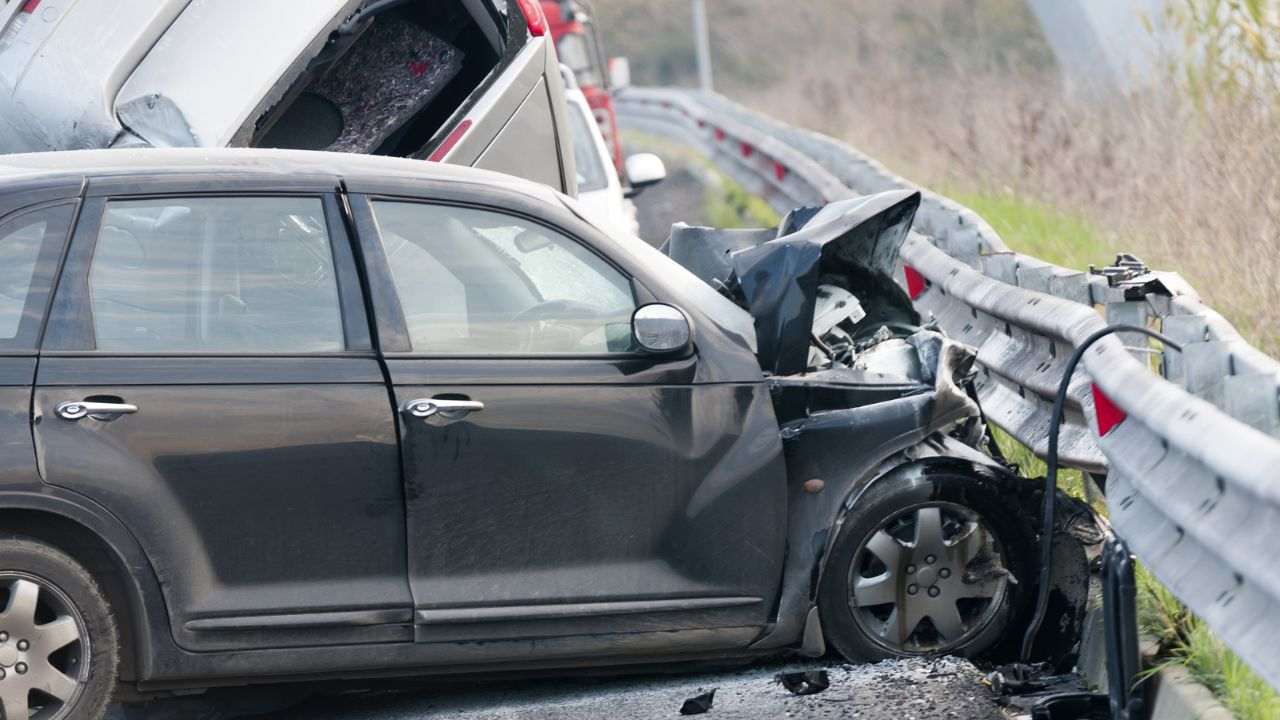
919,689
898,690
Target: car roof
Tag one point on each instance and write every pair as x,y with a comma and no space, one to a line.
83,165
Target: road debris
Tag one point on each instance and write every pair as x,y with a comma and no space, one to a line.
908,689
699,704
804,683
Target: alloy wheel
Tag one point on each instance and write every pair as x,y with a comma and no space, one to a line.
44,649
927,580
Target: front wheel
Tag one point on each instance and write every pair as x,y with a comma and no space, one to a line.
58,646
926,564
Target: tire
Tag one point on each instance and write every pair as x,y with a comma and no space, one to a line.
45,597
873,610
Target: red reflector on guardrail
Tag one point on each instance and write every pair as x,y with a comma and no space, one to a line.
780,171
719,134
746,150
30,6
1109,415
916,284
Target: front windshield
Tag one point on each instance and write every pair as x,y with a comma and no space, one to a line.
586,153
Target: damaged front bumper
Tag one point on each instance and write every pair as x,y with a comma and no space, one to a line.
863,390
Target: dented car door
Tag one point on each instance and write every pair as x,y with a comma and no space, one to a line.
559,483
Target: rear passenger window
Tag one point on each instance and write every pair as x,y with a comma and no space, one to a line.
21,241
219,275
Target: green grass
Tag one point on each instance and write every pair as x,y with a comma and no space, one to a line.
1036,229
731,206
1185,640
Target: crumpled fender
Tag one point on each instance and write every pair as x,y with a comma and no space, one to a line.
775,274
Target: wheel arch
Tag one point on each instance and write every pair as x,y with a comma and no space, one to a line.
111,555
917,469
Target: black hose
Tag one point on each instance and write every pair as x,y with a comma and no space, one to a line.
1051,476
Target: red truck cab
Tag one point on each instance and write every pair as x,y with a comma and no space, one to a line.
572,26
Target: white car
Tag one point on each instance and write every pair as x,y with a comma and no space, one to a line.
469,82
600,191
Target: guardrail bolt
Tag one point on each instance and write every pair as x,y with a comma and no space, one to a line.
4,637
944,573
21,668
911,569
929,559
933,592
23,645
912,589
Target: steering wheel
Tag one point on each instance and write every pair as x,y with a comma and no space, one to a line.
564,313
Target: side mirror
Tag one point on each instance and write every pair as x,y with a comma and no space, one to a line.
644,170
660,328
619,73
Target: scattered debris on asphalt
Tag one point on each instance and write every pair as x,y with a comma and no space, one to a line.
907,689
804,683
699,704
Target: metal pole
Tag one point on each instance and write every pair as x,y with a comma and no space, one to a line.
703,41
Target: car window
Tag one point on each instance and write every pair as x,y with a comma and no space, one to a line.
586,154
477,282
21,240
221,275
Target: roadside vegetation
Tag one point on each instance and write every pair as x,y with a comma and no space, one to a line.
1037,229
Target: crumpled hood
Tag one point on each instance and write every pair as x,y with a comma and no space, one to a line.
775,274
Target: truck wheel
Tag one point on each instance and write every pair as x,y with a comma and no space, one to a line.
933,563
58,642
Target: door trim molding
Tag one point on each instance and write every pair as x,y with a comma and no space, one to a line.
561,611
349,618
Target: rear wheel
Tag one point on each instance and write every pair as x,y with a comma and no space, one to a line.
58,646
924,565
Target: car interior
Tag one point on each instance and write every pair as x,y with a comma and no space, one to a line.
215,275
387,81
476,282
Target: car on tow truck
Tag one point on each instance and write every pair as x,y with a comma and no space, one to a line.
287,416
471,82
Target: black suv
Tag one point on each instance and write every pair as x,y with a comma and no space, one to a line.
273,415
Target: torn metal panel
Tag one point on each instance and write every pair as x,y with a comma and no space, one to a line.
62,66
849,245
155,121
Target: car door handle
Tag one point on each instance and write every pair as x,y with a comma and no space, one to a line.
75,409
451,409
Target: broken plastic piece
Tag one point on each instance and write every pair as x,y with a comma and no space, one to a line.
699,704
805,683
834,306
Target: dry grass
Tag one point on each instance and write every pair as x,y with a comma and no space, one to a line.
1186,190
962,96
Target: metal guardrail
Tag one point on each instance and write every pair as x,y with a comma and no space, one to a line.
1188,441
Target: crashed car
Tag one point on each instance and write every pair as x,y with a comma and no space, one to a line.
286,415
471,82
